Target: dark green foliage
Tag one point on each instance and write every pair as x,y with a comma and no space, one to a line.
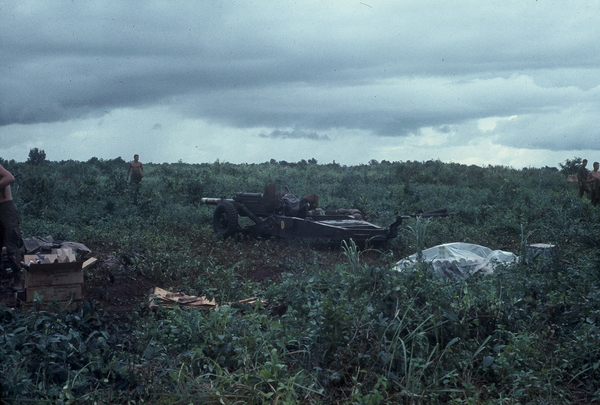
338,325
570,166
36,156
64,356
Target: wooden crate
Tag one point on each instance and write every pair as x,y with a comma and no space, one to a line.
54,274
55,292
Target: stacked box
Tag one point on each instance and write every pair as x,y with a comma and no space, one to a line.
53,281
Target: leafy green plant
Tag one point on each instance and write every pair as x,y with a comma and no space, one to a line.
419,232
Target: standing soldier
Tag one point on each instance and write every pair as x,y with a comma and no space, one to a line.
582,179
136,169
10,235
594,180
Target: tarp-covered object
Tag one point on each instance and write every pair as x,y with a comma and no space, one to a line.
459,259
36,244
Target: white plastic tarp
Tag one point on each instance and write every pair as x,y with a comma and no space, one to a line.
459,259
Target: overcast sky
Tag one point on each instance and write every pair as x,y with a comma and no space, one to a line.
513,83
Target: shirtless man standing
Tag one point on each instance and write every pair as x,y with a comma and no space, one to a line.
594,181
10,235
136,169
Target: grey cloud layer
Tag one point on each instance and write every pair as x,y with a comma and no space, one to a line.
391,68
295,134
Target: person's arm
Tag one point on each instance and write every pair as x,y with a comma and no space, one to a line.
6,179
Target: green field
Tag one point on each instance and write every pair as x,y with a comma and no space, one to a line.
339,325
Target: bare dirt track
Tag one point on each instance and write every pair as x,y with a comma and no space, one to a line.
265,261
119,292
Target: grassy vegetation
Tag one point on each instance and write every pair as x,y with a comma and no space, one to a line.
341,326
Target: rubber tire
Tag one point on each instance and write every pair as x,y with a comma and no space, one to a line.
225,219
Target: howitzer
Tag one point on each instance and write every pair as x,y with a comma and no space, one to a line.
276,220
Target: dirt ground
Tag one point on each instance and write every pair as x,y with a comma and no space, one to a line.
117,296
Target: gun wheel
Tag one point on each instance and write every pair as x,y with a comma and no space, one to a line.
225,219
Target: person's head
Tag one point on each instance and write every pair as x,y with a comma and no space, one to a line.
136,157
584,162
596,166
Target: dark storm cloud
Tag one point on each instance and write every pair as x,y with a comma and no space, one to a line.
390,69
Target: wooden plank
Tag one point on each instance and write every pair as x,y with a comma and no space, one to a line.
89,262
162,297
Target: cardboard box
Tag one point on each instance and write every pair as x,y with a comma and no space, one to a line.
55,292
63,255
48,258
52,274
541,251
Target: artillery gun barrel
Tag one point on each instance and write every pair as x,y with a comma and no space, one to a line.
211,201
238,204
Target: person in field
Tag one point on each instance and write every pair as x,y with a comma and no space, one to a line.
594,181
136,169
582,178
10,235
